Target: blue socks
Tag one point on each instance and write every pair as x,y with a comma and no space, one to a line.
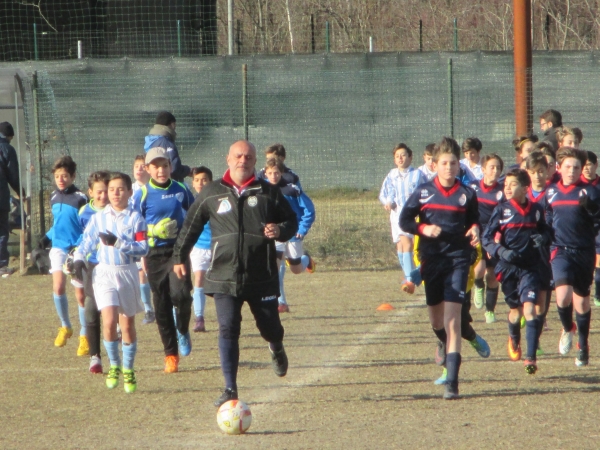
62,308
129,351
146,297
453,361
82,321
305,261
531,335
229,352
199,301
566,316
407,267
282,269
583,327
406,263
112,350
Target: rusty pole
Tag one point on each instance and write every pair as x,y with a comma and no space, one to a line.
523,65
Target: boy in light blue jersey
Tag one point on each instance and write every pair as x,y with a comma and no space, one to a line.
427,168
201,254
397,187
296,258
163,202
65,203
120,236
98,192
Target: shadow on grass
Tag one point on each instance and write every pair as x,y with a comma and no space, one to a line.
269,432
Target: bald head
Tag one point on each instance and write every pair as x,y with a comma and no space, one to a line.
241,161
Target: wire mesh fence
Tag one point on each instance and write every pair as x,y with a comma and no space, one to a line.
339,117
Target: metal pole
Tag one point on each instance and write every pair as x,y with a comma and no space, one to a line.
455,34
327,45
450,99
239,37
547,31
179,38
420,35
35,46
522,66
230,25
22,238
40,160
79,49
371,47
312,33
245,99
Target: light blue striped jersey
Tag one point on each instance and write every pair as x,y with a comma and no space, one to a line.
473,173
429,174
85,214
130,228
399,185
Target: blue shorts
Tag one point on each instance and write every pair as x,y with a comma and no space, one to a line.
445,280
573,267
518,285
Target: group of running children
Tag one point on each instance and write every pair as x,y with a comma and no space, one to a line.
117,248
459,224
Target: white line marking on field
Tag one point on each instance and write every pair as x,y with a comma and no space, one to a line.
323,372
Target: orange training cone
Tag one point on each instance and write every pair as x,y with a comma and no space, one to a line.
385,307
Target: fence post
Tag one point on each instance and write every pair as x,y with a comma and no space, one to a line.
455,34
35,45
38,150
371,46
312,33
327,44
79,49
239,36
179,38
230,26
245,99
450,99
420,35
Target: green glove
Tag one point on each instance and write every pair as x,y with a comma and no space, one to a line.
165,229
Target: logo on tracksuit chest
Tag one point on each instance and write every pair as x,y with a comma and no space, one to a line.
224,206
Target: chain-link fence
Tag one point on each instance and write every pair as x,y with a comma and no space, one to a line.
339,117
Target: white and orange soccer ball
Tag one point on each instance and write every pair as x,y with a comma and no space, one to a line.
234,417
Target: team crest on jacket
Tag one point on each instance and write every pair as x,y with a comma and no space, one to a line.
498,195
462,200
179,197
252,201
424,193
224,207
582,192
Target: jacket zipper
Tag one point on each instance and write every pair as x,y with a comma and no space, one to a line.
212,260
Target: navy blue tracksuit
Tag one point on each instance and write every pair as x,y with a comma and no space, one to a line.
573,254
445,260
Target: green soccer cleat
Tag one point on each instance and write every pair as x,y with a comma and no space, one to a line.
129,381
490,317
478,297
596,301
442,378
112,379
539,351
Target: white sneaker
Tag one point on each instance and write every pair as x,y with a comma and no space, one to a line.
566,340
478,297
490,317
95,364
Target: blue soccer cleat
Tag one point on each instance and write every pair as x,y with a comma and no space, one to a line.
481,346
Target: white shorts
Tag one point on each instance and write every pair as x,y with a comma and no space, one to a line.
396,230
118,286
57,258
290,249
200,259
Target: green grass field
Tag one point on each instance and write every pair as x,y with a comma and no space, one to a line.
358,379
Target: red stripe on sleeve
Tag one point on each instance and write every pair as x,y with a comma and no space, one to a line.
140,236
